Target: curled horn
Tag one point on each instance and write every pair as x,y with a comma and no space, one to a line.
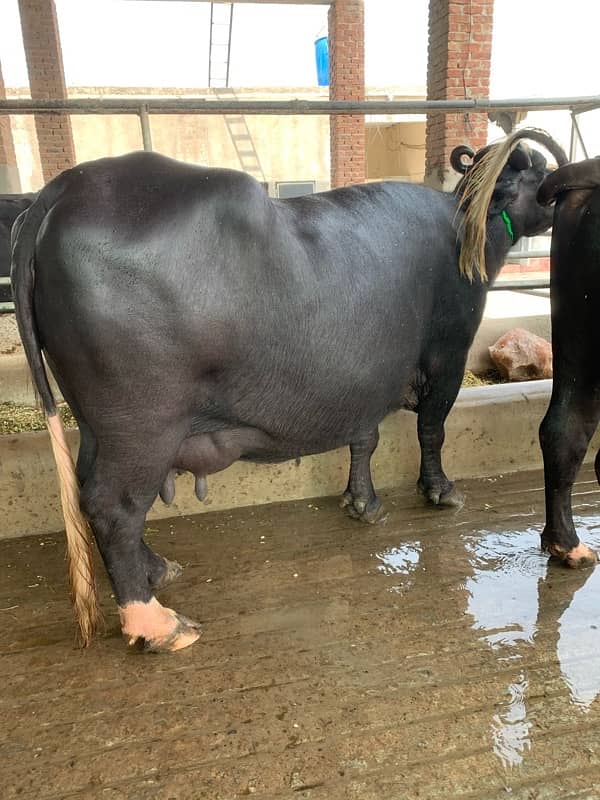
457,155
478,188
582,175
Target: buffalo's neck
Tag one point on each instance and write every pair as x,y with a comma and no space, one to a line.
499,242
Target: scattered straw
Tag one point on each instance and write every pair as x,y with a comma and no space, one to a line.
486,378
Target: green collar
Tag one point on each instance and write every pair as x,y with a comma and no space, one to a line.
507,221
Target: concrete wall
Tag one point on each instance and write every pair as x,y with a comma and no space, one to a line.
9,174
396,150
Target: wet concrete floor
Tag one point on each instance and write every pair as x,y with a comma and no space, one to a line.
437,655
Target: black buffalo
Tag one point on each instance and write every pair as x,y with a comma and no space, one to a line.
11,205
192,321
574,409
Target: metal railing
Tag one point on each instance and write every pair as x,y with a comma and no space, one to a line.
144,106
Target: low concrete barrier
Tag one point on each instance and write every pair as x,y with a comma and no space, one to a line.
15,381
491,430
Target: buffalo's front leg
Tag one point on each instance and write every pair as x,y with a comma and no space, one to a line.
565,433
359,499
116,497
432,411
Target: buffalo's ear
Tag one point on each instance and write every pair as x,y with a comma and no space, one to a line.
457,157
519,159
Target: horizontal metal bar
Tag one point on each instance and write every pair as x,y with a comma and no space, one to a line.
189,105
7,308
523,255
541,283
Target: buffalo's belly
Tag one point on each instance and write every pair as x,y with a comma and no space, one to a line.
277,422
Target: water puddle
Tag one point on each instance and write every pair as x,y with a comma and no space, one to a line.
517,600
510,729
519,603
401,560
502,593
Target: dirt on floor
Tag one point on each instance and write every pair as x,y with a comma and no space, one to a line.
436,655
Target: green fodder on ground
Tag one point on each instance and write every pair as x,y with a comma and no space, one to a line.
18,419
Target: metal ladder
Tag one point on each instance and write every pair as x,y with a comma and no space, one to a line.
221,23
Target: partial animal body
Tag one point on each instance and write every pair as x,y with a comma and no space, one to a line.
574,409
11,205
192,321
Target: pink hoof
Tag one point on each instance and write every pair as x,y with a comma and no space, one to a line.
577,557
156,629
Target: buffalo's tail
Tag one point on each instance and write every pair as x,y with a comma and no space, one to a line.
79,539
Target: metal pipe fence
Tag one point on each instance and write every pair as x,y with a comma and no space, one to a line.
144,106
202,105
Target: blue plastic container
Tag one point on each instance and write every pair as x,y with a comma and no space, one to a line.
322,56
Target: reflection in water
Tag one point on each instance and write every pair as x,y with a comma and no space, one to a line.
401,560
578,645
510,729
503,599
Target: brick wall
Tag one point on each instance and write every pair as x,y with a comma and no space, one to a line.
459,53
347,82
46,79
9,174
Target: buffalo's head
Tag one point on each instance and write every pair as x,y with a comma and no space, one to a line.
503,177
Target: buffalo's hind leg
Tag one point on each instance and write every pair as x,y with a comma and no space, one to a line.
160,570
359,499
565,433
116,497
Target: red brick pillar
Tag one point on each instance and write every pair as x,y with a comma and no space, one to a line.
47,81
460,48
347,82
9,173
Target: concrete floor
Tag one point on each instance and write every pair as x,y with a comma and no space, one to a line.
437,655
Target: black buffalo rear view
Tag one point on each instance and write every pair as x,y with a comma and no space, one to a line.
11,205
192,321
574,410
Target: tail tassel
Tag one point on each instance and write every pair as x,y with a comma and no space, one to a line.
84,593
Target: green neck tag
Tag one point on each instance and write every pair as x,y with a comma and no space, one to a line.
507,221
